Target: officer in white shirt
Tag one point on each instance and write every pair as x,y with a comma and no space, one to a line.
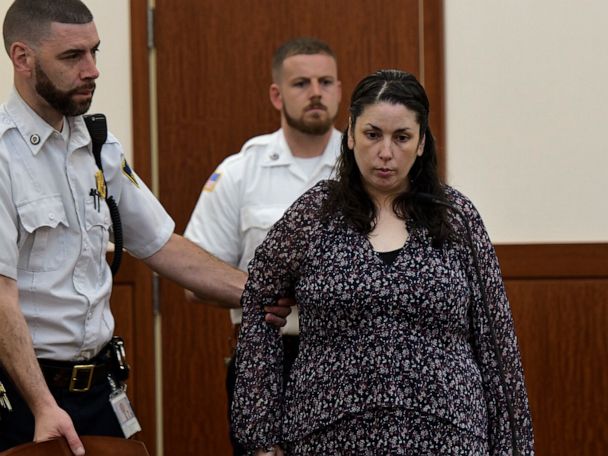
55,283
251,190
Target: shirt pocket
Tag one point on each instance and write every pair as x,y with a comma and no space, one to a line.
97,224
256,221
261,217
44,231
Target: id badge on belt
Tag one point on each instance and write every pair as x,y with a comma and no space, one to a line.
123,410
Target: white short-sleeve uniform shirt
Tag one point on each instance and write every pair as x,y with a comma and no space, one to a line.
54,234
248,193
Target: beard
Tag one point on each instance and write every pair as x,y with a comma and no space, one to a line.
61,101
317,126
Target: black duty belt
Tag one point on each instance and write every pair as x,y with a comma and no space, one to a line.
75,377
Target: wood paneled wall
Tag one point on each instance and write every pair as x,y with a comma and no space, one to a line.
559,297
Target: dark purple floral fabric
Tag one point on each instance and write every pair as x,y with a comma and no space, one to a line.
374,338
388,432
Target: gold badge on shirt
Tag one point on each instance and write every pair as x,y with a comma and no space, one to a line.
101,184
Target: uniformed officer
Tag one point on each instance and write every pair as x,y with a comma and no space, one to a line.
251,190
55,283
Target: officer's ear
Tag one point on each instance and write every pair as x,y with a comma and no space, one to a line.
275,96
23,58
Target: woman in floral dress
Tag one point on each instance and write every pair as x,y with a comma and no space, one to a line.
403,349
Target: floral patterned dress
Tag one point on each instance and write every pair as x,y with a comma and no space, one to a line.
394,358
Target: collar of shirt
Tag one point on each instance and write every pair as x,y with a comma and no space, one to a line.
279,154
36,131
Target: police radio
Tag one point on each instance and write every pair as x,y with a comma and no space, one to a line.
98,130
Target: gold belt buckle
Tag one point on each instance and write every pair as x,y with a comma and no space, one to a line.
77,370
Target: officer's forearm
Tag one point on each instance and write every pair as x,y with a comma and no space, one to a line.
197,270
17,353
191,297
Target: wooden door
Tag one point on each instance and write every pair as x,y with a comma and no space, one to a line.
213,76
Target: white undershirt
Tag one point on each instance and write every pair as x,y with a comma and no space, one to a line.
65,131
308,164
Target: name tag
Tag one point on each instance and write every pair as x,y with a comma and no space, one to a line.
124,413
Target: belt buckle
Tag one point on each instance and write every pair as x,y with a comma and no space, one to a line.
77,370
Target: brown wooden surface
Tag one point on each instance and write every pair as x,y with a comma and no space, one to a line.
94,445
97,445
559,297
140,91
54,447
553,261
213,78
433,76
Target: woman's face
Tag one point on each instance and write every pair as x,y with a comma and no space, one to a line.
386,142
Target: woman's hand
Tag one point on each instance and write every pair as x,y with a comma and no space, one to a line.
275,451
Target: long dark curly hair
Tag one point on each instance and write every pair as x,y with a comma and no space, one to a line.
348,195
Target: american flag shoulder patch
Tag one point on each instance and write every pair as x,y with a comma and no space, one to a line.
211,182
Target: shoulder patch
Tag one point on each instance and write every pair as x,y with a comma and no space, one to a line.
211,182
127,171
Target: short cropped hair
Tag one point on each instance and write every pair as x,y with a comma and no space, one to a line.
298,46
29,20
